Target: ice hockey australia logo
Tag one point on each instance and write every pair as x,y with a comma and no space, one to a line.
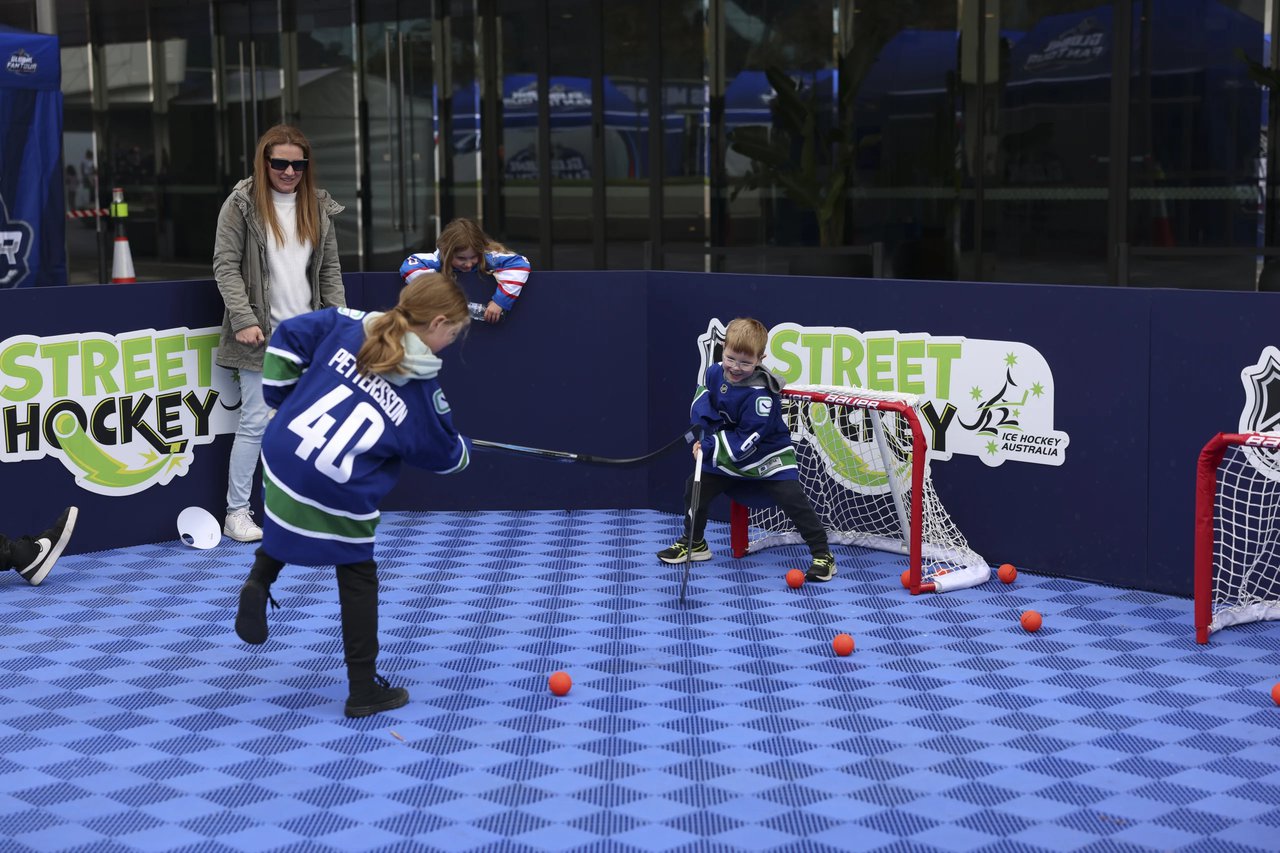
1261,411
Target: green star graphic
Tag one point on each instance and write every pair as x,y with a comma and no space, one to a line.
1017,413
975,392
1011,359
991,448
1037,389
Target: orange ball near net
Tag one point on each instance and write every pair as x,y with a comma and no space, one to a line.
1275,693
1031,621
842,644
905,577
795,578
559,682
1007,573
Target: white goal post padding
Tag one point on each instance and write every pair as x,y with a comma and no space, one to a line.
1237,546
864,465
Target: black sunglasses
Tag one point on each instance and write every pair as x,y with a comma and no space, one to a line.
280,164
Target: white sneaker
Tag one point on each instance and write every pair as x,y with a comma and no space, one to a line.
239,526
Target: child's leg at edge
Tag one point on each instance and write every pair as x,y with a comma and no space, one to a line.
713,485
266,568
358,598
794,503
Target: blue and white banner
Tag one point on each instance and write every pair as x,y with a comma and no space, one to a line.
32,215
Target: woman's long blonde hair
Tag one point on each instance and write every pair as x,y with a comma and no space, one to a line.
308,209
462,234
421,301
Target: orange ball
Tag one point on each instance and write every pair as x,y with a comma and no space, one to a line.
905,577
842,644
1275,693
795,578
1031,620
1007,573
560,682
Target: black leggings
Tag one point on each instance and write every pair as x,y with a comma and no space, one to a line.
787,494
358,603
17,553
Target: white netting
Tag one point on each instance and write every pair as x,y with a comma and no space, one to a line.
855,466
1246,540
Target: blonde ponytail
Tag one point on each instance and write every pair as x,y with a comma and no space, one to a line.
421,301
383,347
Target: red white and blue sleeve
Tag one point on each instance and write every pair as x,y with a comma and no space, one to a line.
510,271
418,264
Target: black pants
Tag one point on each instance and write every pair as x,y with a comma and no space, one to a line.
17,553
358,605
787,494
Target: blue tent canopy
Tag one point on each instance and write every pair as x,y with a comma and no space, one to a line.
1188,37
32,216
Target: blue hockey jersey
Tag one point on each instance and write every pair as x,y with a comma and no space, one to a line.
334,446
510,272
745,434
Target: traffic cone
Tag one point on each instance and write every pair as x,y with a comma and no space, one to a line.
121,257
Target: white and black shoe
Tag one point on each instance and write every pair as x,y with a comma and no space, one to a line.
49,544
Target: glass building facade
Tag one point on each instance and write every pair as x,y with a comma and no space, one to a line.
1039,141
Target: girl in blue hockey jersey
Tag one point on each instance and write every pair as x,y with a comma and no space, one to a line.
746,446
466,254
354,394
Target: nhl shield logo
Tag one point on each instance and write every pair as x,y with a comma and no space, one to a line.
710,347
15,244
1261,411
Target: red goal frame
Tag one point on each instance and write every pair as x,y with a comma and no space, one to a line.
738,527
1207,467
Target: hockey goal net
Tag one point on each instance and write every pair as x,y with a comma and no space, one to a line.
863,463
1237,546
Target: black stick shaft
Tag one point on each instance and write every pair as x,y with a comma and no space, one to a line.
694,495
565,456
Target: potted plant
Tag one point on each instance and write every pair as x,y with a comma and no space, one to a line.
810,150
810,156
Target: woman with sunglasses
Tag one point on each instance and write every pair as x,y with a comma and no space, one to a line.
275,256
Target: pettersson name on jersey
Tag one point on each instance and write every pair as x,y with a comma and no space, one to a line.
375,386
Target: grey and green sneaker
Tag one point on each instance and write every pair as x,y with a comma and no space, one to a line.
679,552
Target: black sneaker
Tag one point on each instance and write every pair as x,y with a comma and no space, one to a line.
375,696
822,569
679,552
251,618
49,545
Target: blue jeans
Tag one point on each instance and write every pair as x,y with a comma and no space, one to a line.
247,446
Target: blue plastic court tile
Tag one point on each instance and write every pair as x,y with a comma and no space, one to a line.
131,717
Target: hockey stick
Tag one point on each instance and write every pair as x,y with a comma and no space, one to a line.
565,456
694,495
